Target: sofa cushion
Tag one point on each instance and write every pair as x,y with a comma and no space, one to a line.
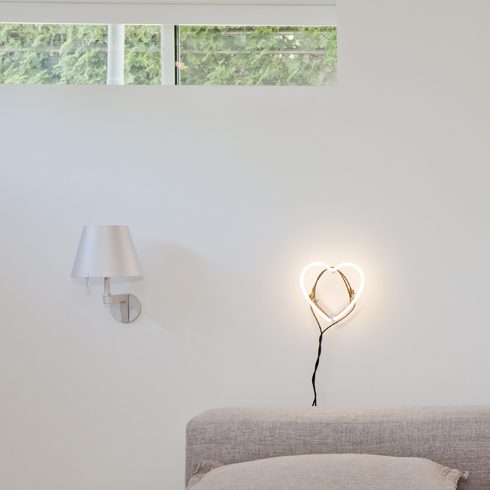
327,472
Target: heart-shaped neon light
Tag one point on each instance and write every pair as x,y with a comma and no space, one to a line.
332,269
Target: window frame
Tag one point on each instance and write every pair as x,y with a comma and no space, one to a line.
71,12
171,62
195,14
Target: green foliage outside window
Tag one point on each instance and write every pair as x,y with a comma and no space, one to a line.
208,55
142,55
75,54
211,55
51,53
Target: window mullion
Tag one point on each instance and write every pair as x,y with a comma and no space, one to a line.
115,54
168,54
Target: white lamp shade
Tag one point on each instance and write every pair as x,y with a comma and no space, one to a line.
106,251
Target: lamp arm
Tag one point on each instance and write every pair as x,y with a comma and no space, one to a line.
110,298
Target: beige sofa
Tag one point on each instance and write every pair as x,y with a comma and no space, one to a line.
458,437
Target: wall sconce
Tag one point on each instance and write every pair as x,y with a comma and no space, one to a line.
108,251
319,309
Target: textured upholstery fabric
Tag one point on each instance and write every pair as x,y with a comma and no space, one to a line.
458,437
331,471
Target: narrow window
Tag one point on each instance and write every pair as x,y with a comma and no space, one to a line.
256,55
81,54
77,54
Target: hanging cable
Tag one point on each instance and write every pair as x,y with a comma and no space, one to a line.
322,330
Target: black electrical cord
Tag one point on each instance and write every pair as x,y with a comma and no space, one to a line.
313,298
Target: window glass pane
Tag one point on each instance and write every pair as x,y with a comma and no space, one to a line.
142,55
257,55
75,54
53,53
208,55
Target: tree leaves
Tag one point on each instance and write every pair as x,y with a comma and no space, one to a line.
257,55
209,55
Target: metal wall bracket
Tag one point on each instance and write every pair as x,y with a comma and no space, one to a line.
125,308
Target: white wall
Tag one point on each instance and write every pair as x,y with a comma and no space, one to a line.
229,192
